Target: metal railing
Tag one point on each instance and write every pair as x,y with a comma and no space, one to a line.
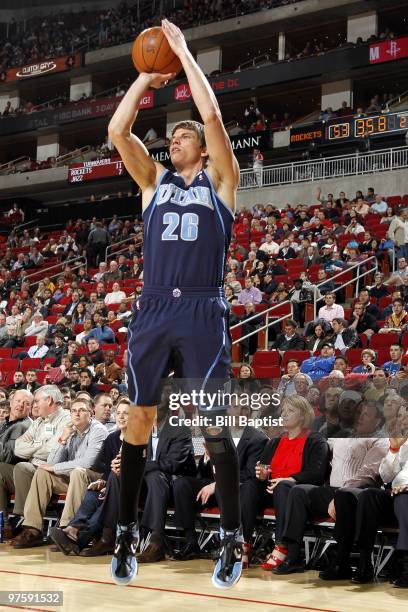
74,264
260,315
355,279
112,252
326,168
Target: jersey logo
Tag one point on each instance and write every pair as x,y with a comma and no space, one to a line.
184,197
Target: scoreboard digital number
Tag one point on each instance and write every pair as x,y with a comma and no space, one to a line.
361,127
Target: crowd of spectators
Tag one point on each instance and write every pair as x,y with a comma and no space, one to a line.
63,366
47,37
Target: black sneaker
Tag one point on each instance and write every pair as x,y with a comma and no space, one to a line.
190,550
336,572
124,564
288,567
228,568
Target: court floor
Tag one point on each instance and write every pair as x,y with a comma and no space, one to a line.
177,587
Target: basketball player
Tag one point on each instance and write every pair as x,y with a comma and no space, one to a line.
188,217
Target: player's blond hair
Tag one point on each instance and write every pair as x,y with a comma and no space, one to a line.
194,126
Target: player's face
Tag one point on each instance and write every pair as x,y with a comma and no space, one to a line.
185,148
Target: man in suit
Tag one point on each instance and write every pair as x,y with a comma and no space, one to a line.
189,490
71,307
290,340
170,455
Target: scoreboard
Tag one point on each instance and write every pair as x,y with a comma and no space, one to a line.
349,129
98,169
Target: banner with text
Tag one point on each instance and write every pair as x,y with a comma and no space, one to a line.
58,64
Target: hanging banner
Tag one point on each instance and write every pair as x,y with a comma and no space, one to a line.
58,64
389,50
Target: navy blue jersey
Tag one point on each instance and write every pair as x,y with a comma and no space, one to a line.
187,231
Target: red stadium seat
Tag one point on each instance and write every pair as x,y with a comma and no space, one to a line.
8,365
298,355
270,372
383,341
33,363
383,355
5,352
265,359
353,357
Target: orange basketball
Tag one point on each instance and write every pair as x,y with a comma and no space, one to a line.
152,53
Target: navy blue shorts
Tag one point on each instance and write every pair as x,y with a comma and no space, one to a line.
193,323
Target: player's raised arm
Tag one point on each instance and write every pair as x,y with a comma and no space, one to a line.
133,152
218,143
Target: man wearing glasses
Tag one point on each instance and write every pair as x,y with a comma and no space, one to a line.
70,466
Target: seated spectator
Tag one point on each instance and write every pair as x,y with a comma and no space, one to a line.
379,289
362,322
173,455
398,320
80,338
388,310
39,327
393,366
400,273
397,233
331,310
18,381
286,251
232,281
327,423
245,380
33,447
289,340
57,349
116,296
303,384
113,274
202,489
379,206
299,296
249,293
355,463
103,405
249,345
364,299
287,386
101,332
276,475
86,383
108,372
70,467
32,383
102,269
269,247
317,367
4,409
15,424
89,520
95,354
377,386
368,359
360,513
124,311
280,295
10,339
315,341
344,337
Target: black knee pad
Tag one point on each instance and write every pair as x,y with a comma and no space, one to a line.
217,434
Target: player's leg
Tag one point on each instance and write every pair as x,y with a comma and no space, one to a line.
210,366
148,357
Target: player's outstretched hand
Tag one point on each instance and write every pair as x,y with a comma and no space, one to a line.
157,80
174,36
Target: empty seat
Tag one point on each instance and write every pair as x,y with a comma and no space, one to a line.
383,341
300,356
265,359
